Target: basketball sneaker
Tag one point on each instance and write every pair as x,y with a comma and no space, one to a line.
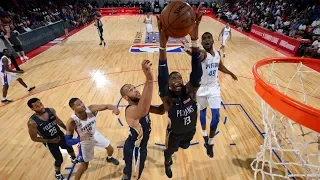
60,177
209,150
167,165
112,160
6,101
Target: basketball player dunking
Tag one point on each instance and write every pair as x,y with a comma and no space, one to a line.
179,100
137,116
209,91
7,75
225,33
149,28
45,123
99,25
84,123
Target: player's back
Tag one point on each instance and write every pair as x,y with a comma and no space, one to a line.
210,68
85,126
48,129
140,138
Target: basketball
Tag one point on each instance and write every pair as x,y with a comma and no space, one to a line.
178,19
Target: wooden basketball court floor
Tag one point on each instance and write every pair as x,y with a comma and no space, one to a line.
78,67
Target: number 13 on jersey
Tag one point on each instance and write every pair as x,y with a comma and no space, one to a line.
187,120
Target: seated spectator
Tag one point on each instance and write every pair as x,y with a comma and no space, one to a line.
314,49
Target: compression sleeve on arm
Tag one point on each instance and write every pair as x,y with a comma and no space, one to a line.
71,141
163,78
196,71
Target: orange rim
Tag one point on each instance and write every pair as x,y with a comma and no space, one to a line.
301,113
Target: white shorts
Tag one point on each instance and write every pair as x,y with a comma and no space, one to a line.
87,147
224,40
149,28
208,96
7,77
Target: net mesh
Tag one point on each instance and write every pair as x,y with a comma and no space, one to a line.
289,151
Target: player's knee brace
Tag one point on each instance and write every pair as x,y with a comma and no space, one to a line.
215,119
203,116
58,162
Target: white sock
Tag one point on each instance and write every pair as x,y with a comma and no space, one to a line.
27,88
109,157
204,133
4,98
210,142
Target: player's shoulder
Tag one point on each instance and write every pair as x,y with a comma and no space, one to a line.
31,122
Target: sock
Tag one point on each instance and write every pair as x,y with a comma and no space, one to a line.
210,142
4,98
109,157
58,172
27,88
204,133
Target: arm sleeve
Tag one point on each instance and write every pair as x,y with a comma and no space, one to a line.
196,71
163,78
71,141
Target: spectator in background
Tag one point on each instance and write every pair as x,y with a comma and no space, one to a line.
15,42
63,16
314,49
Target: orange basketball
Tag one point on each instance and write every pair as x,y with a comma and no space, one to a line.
178,19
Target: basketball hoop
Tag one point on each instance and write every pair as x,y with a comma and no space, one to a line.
291,118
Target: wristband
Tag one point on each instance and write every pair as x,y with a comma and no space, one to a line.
195,43
161,48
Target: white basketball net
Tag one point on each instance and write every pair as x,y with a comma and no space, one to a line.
289,151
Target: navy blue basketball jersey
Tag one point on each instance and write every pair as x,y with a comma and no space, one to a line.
183,113
48,129
141,139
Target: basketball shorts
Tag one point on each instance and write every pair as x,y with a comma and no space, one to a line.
224,40
54,148
86,152
208,96
8,77
134,158
174,141
149,28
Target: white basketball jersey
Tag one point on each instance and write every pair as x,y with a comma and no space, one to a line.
210,70
227,31
85,126
3,69
148,20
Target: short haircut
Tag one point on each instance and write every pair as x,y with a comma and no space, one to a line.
31,101
72,100
205,34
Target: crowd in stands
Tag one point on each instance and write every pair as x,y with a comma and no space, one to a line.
294,18
23,16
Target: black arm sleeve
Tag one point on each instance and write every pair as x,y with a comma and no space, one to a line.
196,71
163,78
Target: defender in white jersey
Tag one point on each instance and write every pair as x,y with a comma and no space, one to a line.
84,123
149,28
226,34
7,76
209,92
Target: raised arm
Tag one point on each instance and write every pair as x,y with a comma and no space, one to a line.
188,50
143,107
196,69
102,107
163,71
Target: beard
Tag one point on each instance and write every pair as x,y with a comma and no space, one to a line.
134,99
